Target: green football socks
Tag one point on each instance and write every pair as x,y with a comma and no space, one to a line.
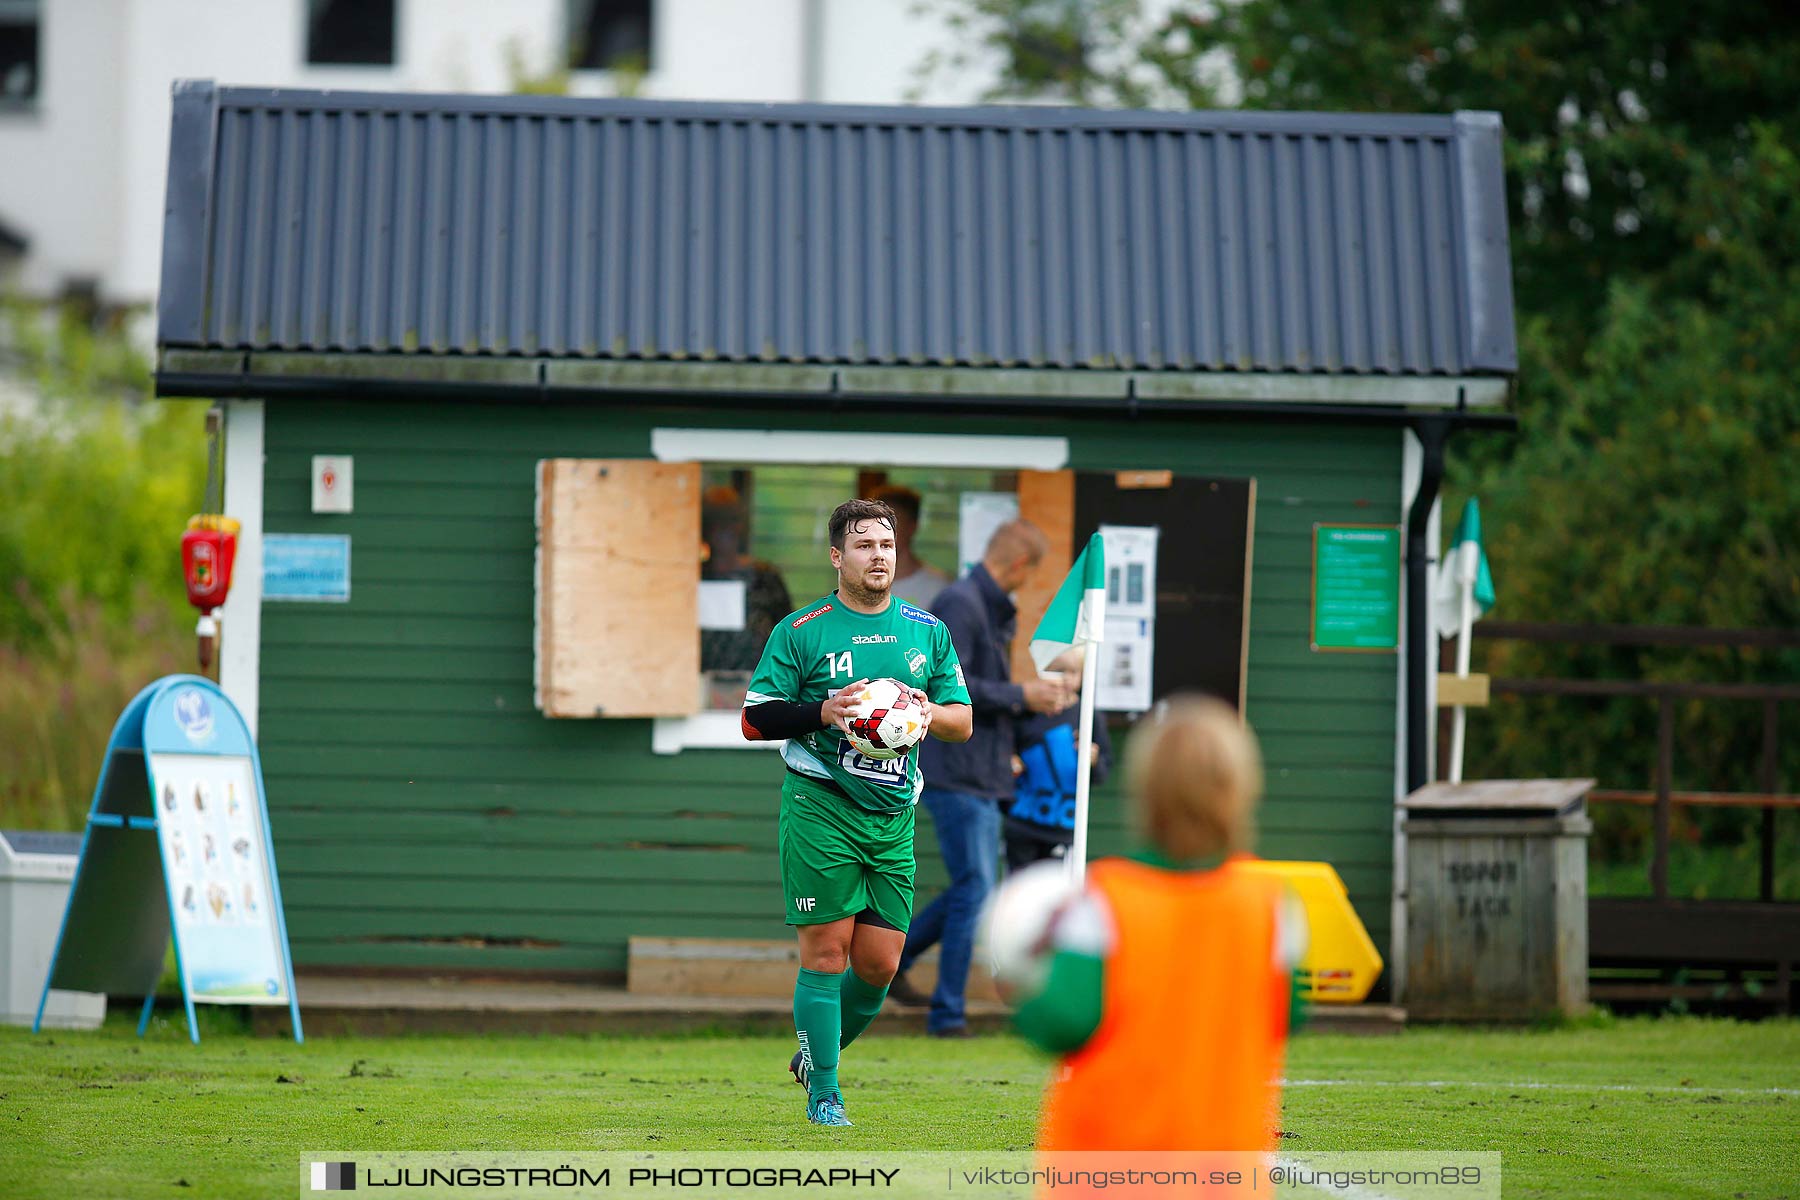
861,1001
818,1021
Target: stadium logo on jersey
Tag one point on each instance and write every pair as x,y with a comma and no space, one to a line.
916,614
915,662
873,639
817,612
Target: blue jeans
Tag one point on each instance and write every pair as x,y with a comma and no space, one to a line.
968,831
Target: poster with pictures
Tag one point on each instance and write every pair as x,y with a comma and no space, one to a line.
1130,570
1123,671
978,515
1129,648
209,822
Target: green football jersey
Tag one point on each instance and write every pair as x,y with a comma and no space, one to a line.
818,649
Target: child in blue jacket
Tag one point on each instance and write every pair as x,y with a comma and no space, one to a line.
1040,823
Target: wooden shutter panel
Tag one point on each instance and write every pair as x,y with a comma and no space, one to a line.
618,576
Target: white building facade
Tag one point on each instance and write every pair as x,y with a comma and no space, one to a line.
85,87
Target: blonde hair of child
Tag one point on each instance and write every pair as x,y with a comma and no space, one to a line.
1196,772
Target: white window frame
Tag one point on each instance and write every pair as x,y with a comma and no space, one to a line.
724,730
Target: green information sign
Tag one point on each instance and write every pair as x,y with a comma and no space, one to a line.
1356,588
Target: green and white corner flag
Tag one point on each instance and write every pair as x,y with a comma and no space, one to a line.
1077,617
1464,567
1077,613
1464,591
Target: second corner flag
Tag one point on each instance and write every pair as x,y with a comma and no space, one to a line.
1463,576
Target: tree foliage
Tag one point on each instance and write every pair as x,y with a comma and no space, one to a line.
96,479
1655,484
1610,107
96,483
1652,186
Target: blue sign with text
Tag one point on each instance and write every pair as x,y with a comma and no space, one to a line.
306,566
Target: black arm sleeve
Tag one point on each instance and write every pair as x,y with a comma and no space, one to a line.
778,720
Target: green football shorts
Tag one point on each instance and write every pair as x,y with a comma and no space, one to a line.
838,859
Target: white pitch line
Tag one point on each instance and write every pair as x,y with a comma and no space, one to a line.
1346,1192
1561,1087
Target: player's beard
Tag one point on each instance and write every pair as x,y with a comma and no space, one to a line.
858,591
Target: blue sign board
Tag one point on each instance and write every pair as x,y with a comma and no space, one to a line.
179,809
306,566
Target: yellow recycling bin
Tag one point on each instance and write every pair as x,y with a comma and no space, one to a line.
1341,964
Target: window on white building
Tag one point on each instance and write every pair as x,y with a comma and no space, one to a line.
20,23
605,35
349,33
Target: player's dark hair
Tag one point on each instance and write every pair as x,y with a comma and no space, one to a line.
855,512
900,499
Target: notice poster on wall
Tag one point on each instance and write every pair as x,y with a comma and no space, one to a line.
209,824
723,604
1130,570
1124,670
306,566
1356,588
978,515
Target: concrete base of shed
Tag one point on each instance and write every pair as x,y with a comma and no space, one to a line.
752,969
338,1004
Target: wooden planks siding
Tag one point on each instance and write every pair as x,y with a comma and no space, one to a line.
426,816
1326,721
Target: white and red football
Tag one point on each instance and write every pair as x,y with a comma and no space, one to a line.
887,722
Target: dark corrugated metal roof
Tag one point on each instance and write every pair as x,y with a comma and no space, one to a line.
613,229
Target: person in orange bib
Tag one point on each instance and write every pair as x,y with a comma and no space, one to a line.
1170,989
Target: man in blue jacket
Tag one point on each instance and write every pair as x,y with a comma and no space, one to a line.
966,784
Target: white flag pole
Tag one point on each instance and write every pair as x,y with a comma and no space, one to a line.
1090,667
1467,565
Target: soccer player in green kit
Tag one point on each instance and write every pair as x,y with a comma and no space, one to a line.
846,829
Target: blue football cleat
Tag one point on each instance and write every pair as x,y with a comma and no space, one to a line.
827,1110
798,1067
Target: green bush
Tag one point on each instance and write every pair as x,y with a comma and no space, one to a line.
96,483
60,697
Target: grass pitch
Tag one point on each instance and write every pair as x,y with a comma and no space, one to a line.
1674,1107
